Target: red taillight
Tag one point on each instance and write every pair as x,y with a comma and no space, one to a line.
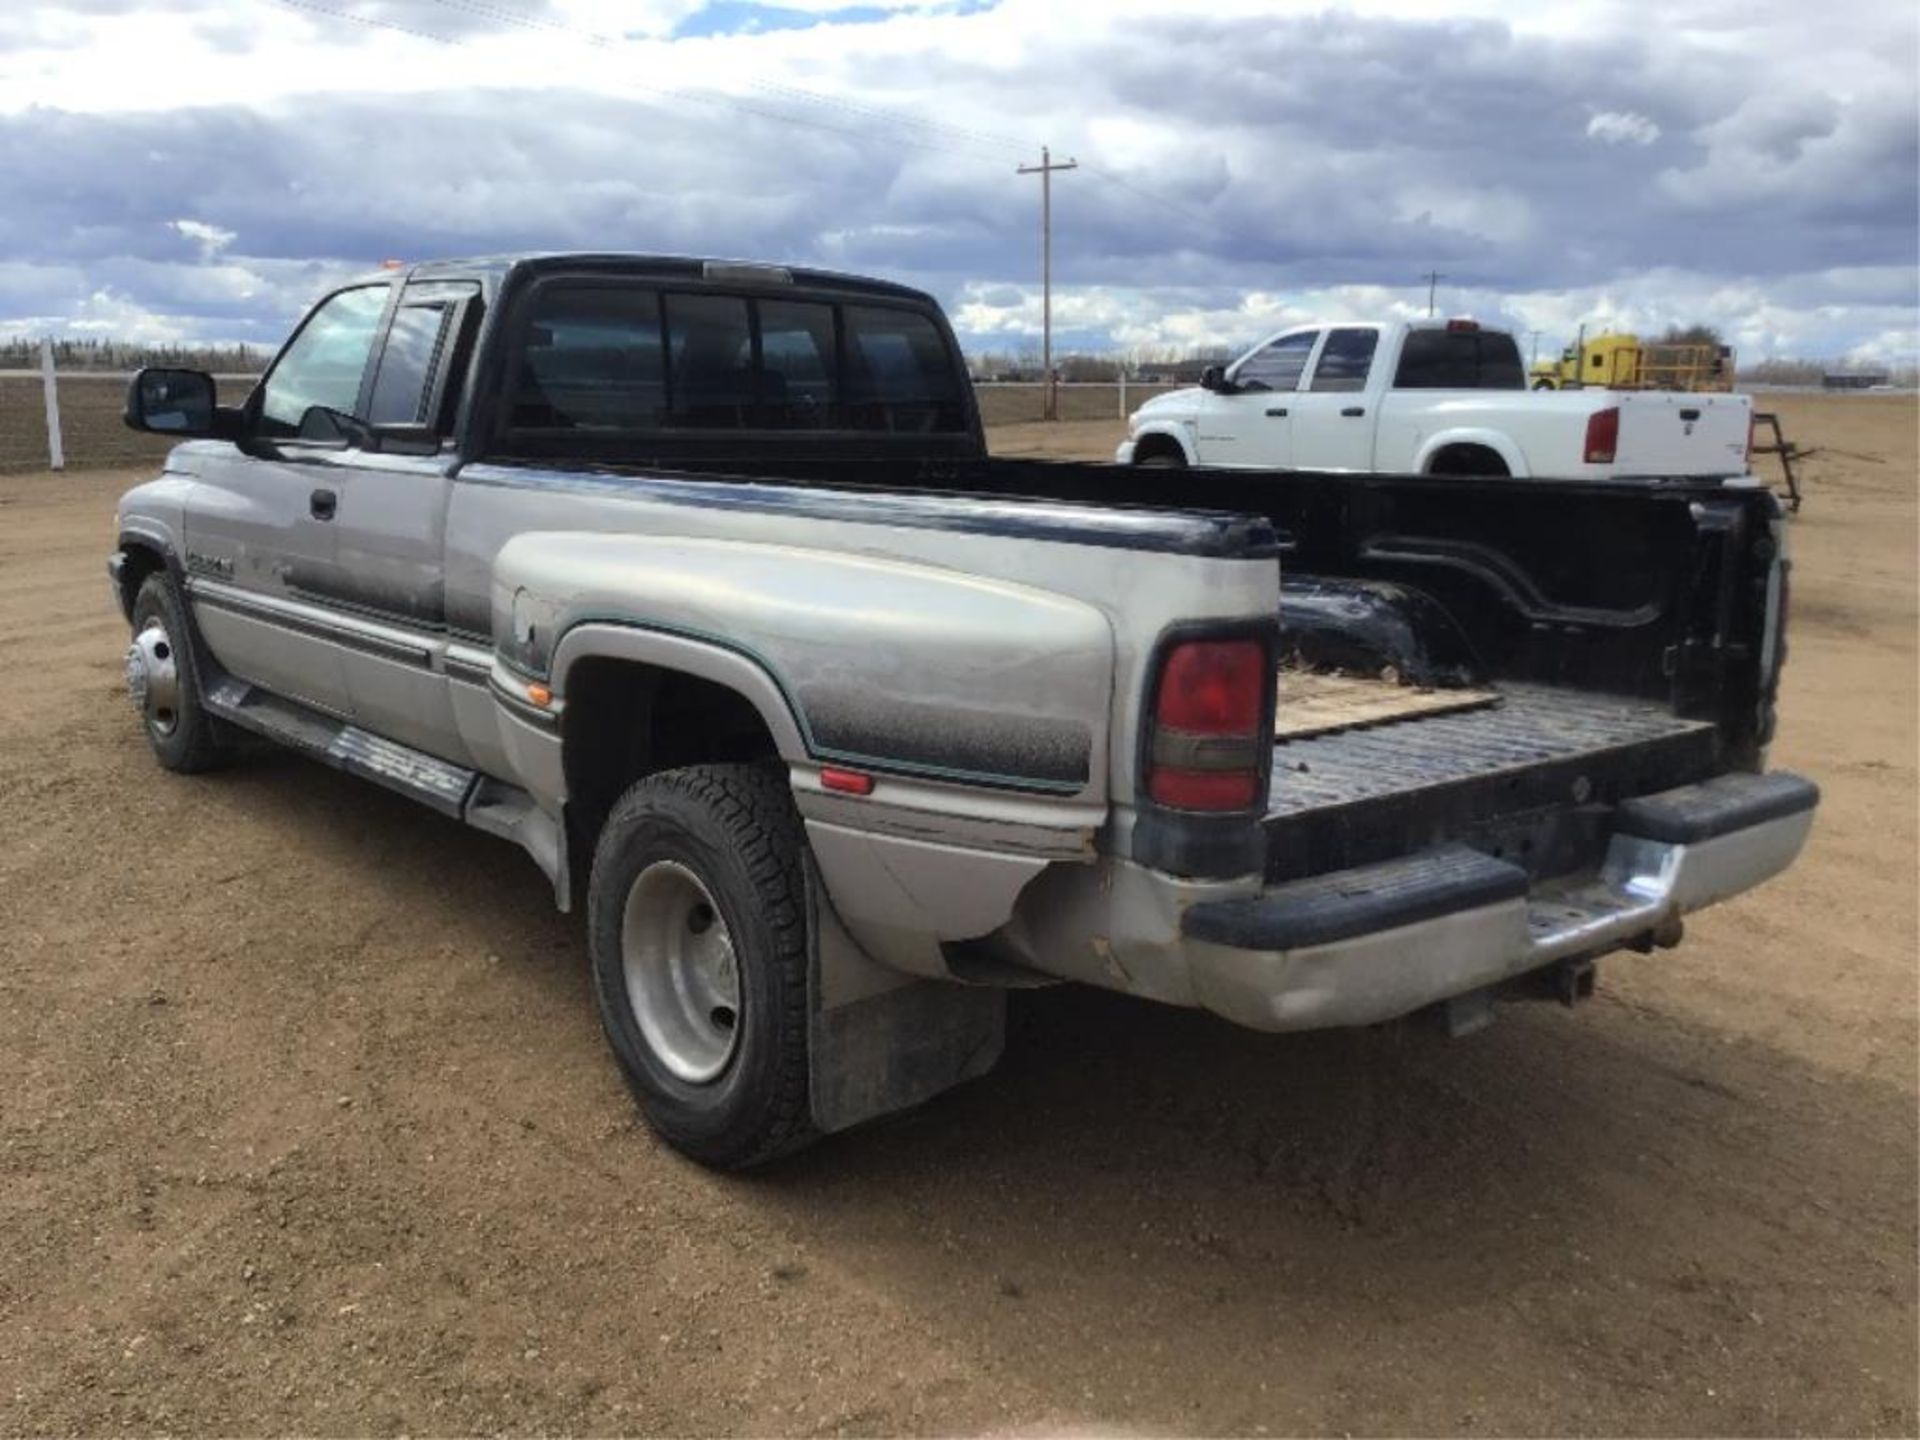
1207,749
1204,789
1213,687
1463,327
1603,435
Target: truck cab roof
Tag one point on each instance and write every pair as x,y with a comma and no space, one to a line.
494,271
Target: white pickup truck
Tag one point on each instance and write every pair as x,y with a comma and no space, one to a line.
1432,397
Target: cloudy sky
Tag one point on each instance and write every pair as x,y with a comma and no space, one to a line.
201,168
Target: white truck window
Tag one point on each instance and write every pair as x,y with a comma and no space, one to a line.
1345,359
1276,366
1459,359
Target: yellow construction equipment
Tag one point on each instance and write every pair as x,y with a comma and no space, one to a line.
1621,361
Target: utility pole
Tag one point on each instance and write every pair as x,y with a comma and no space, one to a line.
1534,358
1433,278
1045,170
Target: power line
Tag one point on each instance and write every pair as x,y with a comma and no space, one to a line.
1165,201
811,97
998,140
721,101
1433,278
978,142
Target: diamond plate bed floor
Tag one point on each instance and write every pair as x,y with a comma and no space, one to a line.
1529,727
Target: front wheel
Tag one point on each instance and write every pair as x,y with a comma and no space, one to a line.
697,923
163,681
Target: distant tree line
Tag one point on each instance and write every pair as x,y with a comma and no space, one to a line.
1142,364
23,353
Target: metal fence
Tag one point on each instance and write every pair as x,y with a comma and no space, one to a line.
1020,402
70,419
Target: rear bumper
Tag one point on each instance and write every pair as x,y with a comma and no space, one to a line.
1373,943
1360,946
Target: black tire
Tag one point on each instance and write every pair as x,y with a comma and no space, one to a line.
186,738
1469,462
1544,385
735,829
1162,460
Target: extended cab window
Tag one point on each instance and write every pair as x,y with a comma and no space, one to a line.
324,365
608,356
900,373
1459,360
592,359
1276,366
1345,359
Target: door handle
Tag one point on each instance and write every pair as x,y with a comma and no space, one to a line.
322,503
1279,411
1354,411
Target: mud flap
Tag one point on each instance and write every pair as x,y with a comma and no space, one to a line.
879,1040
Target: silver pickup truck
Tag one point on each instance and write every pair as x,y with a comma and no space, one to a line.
695,579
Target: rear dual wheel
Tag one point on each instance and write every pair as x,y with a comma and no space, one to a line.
697,924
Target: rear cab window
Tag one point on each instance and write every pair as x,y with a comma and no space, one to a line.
611,357
1455,359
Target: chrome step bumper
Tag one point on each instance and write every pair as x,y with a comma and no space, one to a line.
1379,941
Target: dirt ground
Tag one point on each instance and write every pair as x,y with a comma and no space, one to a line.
306,1125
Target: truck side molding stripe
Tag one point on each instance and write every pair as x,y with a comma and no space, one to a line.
308,618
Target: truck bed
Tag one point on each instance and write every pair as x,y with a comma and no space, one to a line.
1529,777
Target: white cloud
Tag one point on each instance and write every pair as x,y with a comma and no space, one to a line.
1622,127
210,238
1244,162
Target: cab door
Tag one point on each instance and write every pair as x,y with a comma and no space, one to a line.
390,523
260,541
1251,422
1335,414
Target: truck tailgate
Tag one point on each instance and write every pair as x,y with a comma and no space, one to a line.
1670,433
1532,779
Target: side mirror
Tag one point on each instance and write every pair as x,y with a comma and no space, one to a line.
179,403
171,402
1215,379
